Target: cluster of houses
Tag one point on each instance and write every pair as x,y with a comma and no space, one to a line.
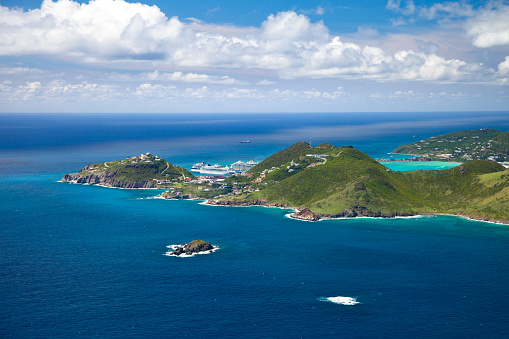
476,150
146,158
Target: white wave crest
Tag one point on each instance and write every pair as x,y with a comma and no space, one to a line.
348,301
174,247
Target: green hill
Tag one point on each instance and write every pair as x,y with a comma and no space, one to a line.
347,182
132,172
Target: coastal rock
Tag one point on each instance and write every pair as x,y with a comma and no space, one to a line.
362,211
256,202
194,247
306,214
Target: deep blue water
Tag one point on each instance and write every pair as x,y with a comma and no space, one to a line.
85,261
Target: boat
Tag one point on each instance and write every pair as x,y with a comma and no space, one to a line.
243,166
197,167
245,141
205,168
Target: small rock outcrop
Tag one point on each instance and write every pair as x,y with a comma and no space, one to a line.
306,214
194,247
362,211
257,202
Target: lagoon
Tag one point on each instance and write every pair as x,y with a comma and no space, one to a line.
404,166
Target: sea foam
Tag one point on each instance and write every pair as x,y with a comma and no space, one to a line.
347,301
174,247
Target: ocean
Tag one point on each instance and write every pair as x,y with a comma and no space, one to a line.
87,261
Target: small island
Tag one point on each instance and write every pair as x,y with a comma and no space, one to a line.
191,248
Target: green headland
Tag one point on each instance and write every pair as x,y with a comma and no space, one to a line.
326,181
333,182
144,171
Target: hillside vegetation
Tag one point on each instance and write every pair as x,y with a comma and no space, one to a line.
133,170
343,181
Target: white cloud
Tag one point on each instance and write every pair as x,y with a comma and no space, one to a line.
315,11
19,70
446,11
101,28
490,27
503,67
266,82
487,25
286,45
188,77
395,5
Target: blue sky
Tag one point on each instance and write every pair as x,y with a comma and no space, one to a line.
259,56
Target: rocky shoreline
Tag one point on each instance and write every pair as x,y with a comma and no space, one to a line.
245,203
191,248
354,212
307,215
106,179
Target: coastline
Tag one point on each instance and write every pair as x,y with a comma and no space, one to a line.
357,212
309,216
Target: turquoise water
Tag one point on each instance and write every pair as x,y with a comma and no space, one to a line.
420,165
86,261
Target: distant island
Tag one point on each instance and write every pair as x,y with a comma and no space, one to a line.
326,181
481,144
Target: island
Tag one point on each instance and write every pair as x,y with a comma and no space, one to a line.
480,144
326,182
191,248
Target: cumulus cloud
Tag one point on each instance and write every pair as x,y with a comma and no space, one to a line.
503,67
487,25
103,28
287,44
490,27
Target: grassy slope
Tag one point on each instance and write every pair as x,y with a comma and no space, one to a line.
350,178
141,171
281,157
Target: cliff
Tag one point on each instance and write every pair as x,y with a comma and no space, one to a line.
107,179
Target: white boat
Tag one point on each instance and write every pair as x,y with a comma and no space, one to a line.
197,167
243,166
212,169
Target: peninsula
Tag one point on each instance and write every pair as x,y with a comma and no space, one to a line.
144,171
337,182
